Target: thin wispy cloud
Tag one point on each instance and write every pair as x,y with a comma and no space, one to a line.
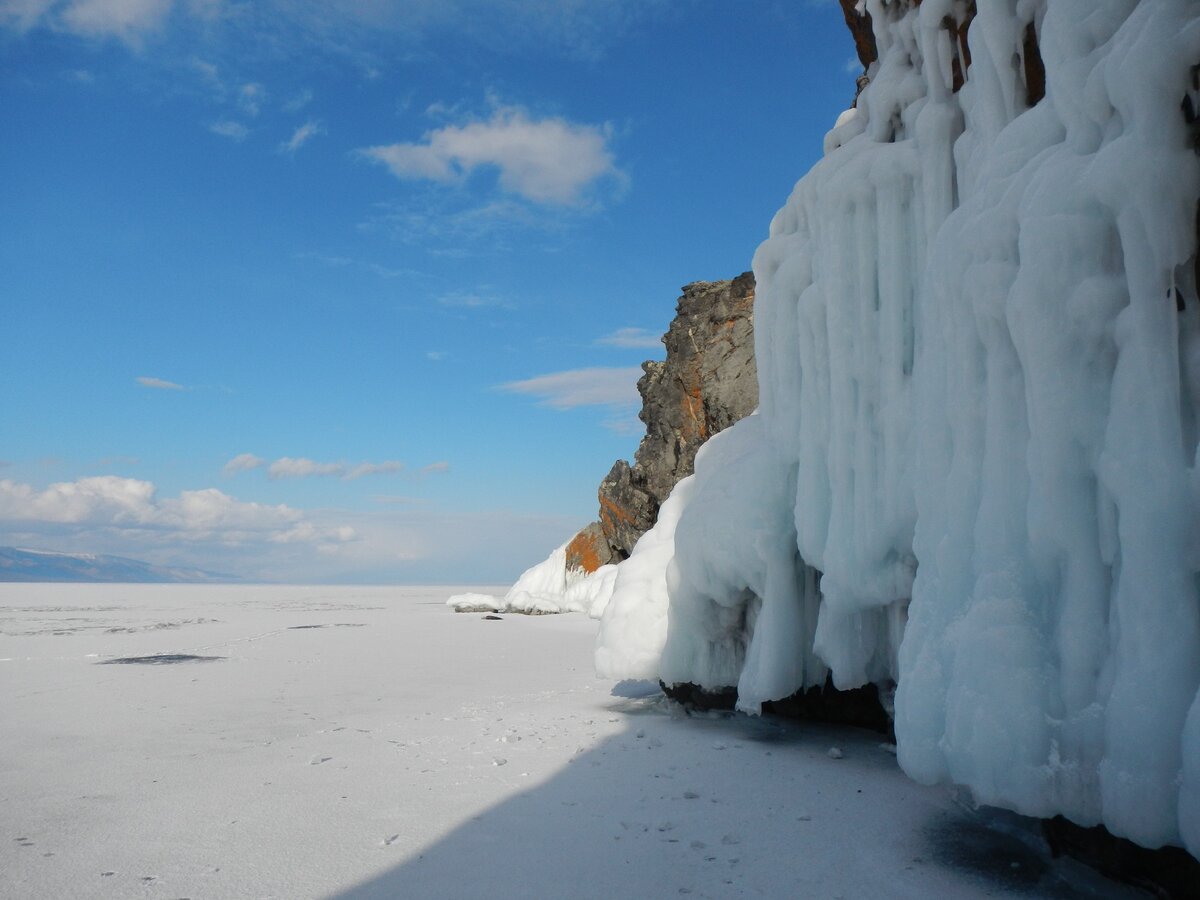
436,468
597,386
348,262
576,28
298,101
303,467
302,136
250,98
631,338
547,161
160,384
243,462
388,467
472,300
287,467
227,128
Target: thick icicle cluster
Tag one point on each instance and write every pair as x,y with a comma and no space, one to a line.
979,361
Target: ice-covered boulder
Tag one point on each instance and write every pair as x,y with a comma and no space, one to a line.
551,586
978,344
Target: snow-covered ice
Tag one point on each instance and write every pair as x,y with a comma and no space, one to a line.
366,742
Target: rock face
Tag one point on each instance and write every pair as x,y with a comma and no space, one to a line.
707,382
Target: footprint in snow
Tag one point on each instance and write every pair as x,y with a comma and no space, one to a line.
389,840
317,760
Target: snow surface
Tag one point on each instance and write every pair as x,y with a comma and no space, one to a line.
979,421
365,742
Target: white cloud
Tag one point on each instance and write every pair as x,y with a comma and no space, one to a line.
235,131
243,462
436,468
301,136
631,338
109,501
301,467
159,383
597,386
546,161
407,540
126,20
287,467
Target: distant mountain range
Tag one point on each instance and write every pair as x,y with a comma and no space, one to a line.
46,565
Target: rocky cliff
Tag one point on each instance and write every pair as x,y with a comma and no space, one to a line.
707,382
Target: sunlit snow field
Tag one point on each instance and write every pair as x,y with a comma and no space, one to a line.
353,742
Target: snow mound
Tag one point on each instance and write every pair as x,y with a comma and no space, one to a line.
547,588
975,470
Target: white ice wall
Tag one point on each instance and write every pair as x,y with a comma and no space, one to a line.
977,393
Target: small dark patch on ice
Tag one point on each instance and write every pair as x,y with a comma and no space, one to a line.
159,659
494,618
328,625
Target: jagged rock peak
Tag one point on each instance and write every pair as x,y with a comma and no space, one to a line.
706,383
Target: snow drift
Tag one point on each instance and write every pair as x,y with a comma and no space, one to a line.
975,468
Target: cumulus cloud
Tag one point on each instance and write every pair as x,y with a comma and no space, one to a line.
546,161
301,136
597,386
130,503
159,383
235,131
631,338
243,462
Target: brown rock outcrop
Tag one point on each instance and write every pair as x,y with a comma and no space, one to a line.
707,382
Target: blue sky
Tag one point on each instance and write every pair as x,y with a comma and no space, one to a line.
358,291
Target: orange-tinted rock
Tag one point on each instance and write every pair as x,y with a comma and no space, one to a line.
588,550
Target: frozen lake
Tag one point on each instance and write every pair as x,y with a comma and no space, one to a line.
367,742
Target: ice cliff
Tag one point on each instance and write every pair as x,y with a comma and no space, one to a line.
974,474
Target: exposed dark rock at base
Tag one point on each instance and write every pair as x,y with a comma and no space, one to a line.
860,707
1168,872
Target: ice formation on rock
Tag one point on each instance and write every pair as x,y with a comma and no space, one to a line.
551,586
975,467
